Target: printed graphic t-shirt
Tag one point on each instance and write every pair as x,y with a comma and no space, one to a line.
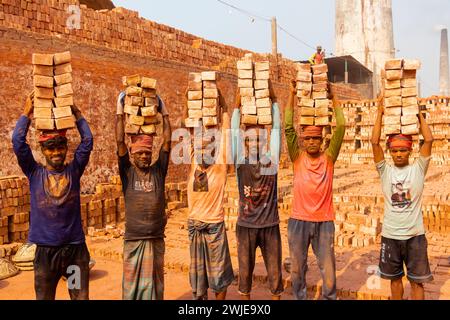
403,189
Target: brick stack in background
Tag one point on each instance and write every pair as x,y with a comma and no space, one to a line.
14,209
253,83
312,93
141,105
401,106
53,92
203,99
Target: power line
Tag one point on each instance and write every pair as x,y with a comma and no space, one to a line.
294,37
248,13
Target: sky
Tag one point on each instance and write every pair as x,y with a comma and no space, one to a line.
417,26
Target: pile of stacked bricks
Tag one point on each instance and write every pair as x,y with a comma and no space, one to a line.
14,209
253,84
141,105
401,107
176,196
312,93
203,99
356,229
53,92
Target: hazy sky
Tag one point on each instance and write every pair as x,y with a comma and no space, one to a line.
416,24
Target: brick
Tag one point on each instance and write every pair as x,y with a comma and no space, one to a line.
209,75
192,123
304,76
322,121
409,119
393,111
148,83
209,84
62,58
195,95
264,93
393,74
307,102
302,85
210,93
63,78
194,113
43,70
209,121
265,120
210,103
65,123
195,104
132,129
392,129
151,102
410,129
263,103
148,93
409,92
393,64
248,101
409,83
132,110
319,95
248,109
247,92
245,74
61,69
136,120
410,64
45,124
264,111
249,119
304,67
62,112
322,103
411,101
195,77
209,112
320,68
195,86
64,101
133,91
391,120
45,93
413,110
307,121
320,87
306,111
43,103
42,113
320,78
148,129
261,84
134,80
42,59
245,83
392,84
134,101
64,90
245,65
149,111
393,102
321,111
262,75
262,66
388,93
409,74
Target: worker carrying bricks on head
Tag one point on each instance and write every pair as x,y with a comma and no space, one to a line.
403,235
210,265
256,163
55,218
312,218
318,57
143,185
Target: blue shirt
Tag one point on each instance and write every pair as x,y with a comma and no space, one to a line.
55,217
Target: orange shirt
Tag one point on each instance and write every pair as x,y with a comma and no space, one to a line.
313,188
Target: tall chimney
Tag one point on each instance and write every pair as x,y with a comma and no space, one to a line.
444,82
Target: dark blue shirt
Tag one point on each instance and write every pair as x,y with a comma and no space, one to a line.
55,217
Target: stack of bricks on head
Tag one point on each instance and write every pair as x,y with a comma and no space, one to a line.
400,92
203,99
253,83
141,105
312,93
53,92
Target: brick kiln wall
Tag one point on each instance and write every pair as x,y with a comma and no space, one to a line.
110,44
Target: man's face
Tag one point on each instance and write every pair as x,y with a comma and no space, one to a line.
142,159
55,154
312,144
255,142
400,156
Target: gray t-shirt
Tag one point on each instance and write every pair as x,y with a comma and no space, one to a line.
403,189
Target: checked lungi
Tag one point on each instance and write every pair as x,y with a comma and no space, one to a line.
210,258
143,269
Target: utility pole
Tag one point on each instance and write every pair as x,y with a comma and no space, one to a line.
274,37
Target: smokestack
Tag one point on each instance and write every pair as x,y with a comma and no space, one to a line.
444,83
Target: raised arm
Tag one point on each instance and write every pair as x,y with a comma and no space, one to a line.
339,132
425,150
291,135
167,130
120,126
378,153
19,137
84,149
235,129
